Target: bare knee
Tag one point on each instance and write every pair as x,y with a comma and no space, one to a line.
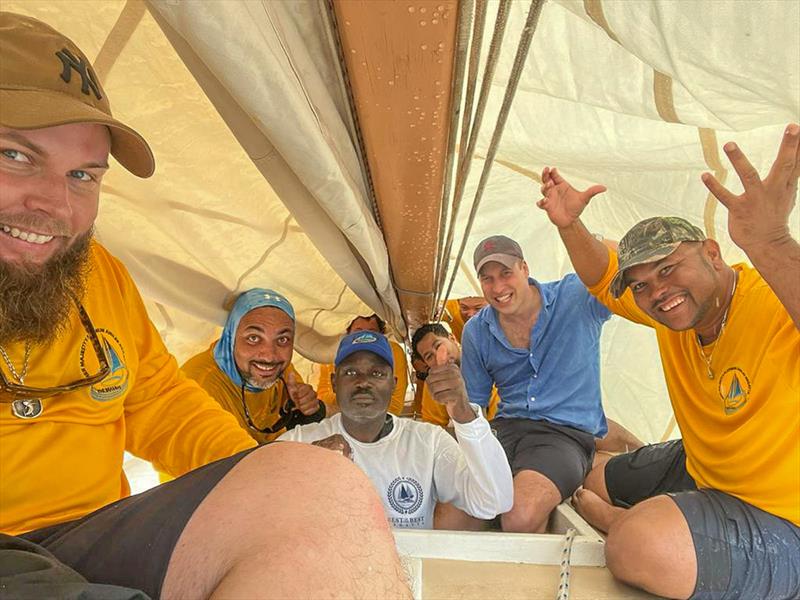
535,497
596,479
621,554
276,503
528,515
651,548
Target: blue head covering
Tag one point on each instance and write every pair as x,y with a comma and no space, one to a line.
249,300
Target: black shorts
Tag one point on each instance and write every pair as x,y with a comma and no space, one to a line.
560,453
742,551
129,543
649,471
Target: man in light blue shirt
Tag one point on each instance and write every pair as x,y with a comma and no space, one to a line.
539,343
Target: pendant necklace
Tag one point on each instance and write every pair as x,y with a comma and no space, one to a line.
23,409
707,359
20,377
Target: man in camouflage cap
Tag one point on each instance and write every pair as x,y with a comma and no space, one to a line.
716,514
649,241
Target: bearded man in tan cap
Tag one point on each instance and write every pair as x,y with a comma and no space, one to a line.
84,376
716,514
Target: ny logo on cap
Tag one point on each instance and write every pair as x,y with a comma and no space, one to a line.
83,69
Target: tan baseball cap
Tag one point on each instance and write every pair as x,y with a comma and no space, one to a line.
45,80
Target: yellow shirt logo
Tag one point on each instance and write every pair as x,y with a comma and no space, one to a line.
115,383
734,390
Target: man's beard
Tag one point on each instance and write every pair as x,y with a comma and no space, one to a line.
36,300
258,382
259,385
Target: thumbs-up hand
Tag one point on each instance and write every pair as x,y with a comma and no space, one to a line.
302,394
442,357
447,386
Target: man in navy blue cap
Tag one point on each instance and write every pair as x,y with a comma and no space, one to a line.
411,464
249,369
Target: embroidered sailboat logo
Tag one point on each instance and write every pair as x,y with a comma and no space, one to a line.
734,388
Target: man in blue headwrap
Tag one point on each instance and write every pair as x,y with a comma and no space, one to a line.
249,370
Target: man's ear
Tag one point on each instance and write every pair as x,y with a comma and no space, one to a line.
713,253
525,268
333,381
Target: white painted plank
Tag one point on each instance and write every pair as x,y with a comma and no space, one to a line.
564,517
490,546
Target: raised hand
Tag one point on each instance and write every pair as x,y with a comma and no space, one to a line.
760,215
336,443
447,386
303,395
562,202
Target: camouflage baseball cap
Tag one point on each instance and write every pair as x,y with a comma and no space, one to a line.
651,240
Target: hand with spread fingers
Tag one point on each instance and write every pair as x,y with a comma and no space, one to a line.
760,215
447,387
303,395
336,443
562,202
758,219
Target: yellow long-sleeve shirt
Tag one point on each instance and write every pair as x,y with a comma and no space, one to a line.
263,406
741,429
325,389
67,462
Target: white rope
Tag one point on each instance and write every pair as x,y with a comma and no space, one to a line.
566,553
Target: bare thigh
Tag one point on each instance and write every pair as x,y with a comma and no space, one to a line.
290,520
596,479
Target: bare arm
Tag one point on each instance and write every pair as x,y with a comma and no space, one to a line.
758,219
589,256
564,205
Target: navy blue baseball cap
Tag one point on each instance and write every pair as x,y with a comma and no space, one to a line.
367,341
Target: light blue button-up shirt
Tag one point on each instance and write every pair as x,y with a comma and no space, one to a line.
558,378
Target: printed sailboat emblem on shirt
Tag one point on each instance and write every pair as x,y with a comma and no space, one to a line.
734,389
115,384
405,495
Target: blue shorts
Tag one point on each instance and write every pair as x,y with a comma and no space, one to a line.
742,551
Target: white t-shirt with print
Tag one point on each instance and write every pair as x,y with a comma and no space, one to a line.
419,464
